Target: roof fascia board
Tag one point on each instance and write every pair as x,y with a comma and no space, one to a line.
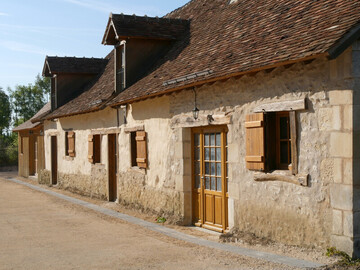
107,31
346,41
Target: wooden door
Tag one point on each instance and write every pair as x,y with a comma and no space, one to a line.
54,163
209,178
112,167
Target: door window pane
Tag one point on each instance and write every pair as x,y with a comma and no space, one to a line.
207,153
283,127
218,169
212,139
197,181
212,154
197,167
218,139
213,183
207,182
207,141
196,139
212,168
218,184
218,154
207,168
197,153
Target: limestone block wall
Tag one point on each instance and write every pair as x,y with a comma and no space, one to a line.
77,174
153,189
283,211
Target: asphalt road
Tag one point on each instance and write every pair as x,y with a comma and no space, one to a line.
40,231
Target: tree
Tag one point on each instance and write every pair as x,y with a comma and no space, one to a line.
28,100
5,112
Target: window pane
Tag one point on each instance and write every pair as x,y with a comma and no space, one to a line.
197,167
283,127
207,182
197,181
207,168
218,184
213,183
207,153
196,139
218,154
284,153
212,139
218,139
207,141
212,168
197,153
212,154
218,169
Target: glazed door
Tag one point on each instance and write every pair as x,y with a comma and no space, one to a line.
209,178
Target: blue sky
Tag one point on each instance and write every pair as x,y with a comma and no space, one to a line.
30,30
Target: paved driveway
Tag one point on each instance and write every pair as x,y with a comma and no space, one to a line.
39,231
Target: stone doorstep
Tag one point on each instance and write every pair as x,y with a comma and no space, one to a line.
274,258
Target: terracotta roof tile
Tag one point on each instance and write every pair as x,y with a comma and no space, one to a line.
95,94
148,27
233,38
55,64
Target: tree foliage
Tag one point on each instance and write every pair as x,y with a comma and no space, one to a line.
5,112
28,100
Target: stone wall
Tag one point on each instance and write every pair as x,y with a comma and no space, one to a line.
44,177
283,211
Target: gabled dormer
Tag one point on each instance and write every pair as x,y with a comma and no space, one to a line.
139,42
69,76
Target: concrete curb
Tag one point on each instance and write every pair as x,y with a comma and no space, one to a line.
178,235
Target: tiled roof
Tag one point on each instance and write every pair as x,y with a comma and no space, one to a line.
30,124
127,26
55,64
95,94
229,39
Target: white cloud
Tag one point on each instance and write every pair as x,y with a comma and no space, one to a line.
4,14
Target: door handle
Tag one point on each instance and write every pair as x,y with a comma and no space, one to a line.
202,181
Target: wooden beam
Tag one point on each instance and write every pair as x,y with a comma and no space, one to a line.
292,105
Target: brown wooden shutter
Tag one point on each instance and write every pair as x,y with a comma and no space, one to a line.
141,153
71,143
255,142
91,148
294,155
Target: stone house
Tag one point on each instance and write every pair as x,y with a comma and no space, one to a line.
222,114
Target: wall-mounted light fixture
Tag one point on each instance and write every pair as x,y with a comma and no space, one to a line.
195,111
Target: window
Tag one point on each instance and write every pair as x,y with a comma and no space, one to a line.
70,143
94,148
138,149
271,141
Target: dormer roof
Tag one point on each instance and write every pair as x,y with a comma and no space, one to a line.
130,26
55,65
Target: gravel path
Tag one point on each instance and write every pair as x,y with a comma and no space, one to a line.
40,231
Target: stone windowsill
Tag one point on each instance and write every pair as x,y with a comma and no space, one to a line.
284,176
